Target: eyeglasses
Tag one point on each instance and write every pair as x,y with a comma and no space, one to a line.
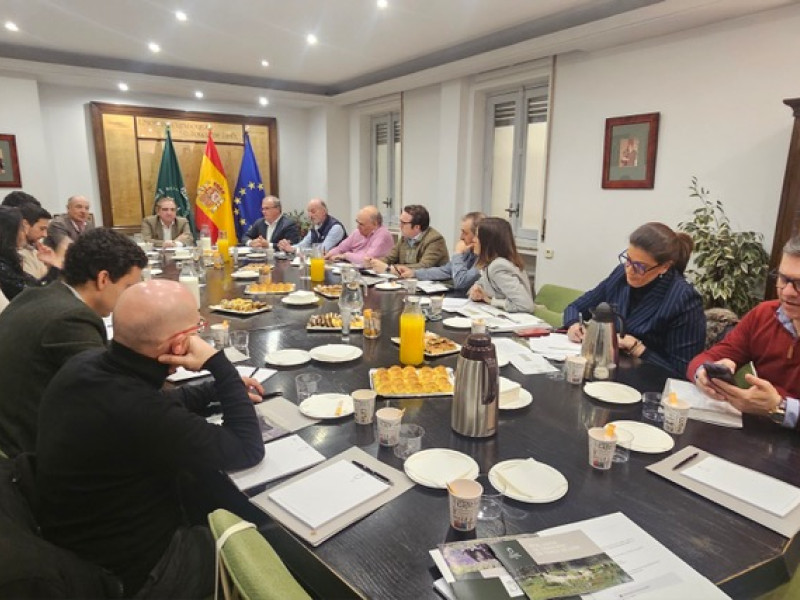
201,324
263,208
404,222
781,281
638,267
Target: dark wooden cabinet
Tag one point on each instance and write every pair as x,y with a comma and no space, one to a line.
788,222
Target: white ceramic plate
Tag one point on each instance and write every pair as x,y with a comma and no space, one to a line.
244,274
241,250
647,438
388,286
435,467
290,357
458,323
182,255
327,406
502,360
154,272
523,399
302,299
614,393
538,482
256,255
335,353
281,255
241,313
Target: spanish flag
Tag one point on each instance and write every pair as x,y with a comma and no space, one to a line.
213,205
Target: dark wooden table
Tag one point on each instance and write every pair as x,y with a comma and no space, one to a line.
385,555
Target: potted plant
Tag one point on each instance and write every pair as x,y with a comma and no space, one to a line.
303,222
728,267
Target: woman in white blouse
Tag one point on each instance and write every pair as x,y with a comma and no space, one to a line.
503,281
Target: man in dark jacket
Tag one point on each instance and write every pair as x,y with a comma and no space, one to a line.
273,227
113,445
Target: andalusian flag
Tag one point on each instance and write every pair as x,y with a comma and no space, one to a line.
213,202
170,182
249,191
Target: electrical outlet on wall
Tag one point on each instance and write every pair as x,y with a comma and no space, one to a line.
548,253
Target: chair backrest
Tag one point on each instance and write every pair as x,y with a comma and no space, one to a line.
551,300
249,561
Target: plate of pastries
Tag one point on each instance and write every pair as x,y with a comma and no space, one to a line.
274,287
241,306
332,322
329,291
412,382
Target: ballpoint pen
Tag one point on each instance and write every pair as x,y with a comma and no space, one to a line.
375,474
686,461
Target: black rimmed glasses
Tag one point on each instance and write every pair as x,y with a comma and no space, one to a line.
405,222
639,268
781,281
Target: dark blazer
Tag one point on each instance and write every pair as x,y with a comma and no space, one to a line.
153,232
62,225
39,331
669,319
285,229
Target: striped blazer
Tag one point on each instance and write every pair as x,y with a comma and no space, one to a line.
669,319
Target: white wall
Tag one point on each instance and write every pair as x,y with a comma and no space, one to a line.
20,116
719,90
54,139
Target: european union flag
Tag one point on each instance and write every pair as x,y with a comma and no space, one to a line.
249,192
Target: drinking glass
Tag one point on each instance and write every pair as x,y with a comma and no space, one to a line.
301,256
350,303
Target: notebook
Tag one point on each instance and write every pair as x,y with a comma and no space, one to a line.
328,493
281,457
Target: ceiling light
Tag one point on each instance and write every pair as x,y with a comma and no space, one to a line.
11,26
123,87
264,63
154,48
198,94
311,39
263,101
180,15
383,3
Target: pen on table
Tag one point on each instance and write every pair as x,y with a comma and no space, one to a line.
375,474
686,460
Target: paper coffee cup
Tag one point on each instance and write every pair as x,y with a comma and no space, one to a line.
575,369
389,420
675,416
465,501
363,406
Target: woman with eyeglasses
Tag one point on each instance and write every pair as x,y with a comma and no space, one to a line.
503,282
664,319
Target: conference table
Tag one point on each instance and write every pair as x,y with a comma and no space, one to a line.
385,554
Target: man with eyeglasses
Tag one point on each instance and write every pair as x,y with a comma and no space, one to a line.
420,246
114,447
273,227
371,238
767,336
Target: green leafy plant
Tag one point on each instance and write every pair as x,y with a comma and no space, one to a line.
728,267
302,220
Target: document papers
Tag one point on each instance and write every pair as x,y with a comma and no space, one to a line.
704,408
281,457
328,493
762,491
432,287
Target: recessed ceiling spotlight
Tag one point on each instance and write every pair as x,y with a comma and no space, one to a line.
311,39
180,15
154,48
198,94
383,3
123,87
264,63
263,101
11,26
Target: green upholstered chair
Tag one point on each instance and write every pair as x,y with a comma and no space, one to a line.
250,568
551,300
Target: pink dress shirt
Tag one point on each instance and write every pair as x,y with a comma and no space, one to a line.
356,247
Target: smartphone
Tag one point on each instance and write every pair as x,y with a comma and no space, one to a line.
721,372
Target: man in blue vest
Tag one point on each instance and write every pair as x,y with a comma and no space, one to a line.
325,229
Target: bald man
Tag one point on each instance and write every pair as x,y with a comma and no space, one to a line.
113,445
325,229
370,238
73,224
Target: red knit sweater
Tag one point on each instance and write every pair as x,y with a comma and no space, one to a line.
760,338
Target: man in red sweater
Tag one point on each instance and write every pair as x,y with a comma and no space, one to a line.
767,336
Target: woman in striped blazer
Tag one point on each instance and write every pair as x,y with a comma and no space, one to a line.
664,319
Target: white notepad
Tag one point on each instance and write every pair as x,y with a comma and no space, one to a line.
757,489
281,457
328,493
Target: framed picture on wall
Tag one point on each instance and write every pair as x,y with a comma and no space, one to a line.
629,155
9,164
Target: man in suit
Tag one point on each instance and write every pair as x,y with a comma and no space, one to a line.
166,228
73,224
45,326
273,227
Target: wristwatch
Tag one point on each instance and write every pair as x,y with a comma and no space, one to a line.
778,414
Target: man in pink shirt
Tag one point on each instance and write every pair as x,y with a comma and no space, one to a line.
371,238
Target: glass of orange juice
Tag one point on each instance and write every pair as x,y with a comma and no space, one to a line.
317,263
223,245
412,333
